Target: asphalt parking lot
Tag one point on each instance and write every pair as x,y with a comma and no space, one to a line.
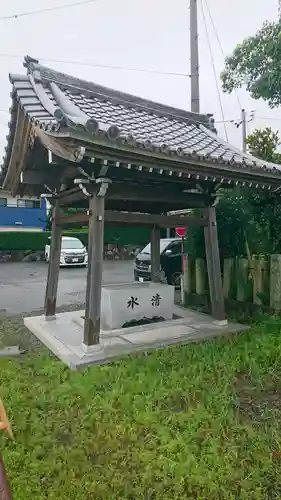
22,285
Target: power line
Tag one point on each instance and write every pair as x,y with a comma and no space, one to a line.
225,121
253,117
214,68
269,118
220,45
46,9
99,65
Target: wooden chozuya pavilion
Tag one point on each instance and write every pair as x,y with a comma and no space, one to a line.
125,159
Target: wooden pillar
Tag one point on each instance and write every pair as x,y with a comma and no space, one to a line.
54,266
168,230
275,282
94,276
213,265
5,491
155,254
89,270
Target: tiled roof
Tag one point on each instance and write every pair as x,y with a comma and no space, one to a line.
55,101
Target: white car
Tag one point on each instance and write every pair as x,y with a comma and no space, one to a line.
73,252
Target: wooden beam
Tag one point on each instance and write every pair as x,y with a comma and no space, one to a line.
123,191
170,196
94,280
59,148
155,254
54,266
150,177
75,218
137,219
68,196
34,177
157,220
195,166
213,265
22,156
52,173
147,206
14,157
100,149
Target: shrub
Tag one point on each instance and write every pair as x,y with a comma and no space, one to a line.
23,241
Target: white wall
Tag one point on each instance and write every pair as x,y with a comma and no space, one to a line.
12,201
20,228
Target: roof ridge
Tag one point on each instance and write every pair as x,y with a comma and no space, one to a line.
129,100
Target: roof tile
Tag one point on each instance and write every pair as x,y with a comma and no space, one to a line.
139,121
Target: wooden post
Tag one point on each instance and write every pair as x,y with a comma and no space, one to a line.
94,277
260,279
187,280
54,266
275,282
155,254
200,276
5,490
89,270
242,278
213,265
228,266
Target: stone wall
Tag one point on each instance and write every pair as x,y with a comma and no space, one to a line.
120,252
18,256
111,252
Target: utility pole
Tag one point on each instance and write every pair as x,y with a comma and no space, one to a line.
194,58
194,65
242,122
244,130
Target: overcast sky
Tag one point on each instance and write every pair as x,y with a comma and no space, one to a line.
146,34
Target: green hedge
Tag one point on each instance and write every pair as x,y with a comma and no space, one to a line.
22,241
25,240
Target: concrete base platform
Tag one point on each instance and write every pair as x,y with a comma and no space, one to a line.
64,336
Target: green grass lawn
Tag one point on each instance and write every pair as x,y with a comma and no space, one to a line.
190,422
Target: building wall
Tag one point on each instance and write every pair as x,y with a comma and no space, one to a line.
19,218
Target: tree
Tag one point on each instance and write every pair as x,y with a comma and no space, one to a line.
249,216
238,228
267,204
247,219
256,63
264,143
